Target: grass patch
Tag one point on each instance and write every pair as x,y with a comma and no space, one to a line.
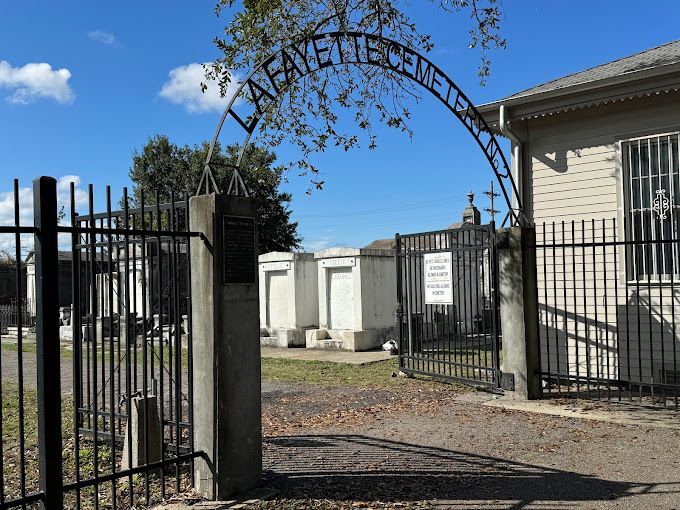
14,347
323,373
31,348
66,351
164,355
106,458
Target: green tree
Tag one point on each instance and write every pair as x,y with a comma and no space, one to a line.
7,260
308,114
162,166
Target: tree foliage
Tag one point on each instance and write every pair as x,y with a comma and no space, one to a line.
308,113
161,167
7,260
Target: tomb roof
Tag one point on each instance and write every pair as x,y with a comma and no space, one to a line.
351,252
275,256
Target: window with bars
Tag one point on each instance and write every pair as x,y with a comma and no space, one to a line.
652,189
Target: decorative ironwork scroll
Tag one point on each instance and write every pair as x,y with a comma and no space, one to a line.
661,204
257,93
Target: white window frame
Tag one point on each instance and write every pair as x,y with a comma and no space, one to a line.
651,209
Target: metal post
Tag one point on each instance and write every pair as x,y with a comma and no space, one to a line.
400,302
47,343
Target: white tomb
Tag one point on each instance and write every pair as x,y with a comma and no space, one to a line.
357,297
288,298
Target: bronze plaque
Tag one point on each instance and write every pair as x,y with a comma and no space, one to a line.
238,238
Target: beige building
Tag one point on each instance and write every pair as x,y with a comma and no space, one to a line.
596,158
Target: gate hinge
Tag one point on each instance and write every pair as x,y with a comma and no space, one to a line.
508,381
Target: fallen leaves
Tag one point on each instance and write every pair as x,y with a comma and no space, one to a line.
312,412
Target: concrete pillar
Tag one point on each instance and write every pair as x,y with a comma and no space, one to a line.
519,304
226,347
143,411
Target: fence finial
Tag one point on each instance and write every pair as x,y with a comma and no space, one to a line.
207,181
237,187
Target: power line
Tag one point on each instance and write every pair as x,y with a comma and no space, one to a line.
384,223
382,210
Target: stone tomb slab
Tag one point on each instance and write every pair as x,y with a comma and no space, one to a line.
357,297
288,298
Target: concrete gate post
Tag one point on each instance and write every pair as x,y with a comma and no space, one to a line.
226,346
519,310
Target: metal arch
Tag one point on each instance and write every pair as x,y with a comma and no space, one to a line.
285,66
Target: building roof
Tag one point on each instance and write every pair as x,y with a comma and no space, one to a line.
663,55
456,224
382,244
645,73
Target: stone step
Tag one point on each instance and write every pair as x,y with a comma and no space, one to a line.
330,343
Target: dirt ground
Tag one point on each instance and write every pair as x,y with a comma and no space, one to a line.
437,446
419,444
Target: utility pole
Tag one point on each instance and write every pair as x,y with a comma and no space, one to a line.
492,196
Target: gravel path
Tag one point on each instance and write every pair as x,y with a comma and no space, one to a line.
437,447
10,369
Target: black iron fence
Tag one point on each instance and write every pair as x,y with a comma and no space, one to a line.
608,327
18,449
447,304
16,313
120,355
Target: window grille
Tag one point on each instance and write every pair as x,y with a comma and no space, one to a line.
670,377
652,203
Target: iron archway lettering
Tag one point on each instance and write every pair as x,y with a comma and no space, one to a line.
272,77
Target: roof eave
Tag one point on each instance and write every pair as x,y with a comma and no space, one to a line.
585,94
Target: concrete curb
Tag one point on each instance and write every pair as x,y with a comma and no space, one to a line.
248,498
613,413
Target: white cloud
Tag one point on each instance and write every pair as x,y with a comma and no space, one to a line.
7,210
103,37
320,244
7,241
34,81
184,87
64,193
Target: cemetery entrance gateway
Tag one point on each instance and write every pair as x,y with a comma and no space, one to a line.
456,337
447,305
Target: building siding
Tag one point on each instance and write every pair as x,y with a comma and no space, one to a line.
574,181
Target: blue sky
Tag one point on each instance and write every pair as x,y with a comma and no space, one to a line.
96,94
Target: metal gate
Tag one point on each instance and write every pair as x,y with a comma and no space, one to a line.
132,337
447,311
131,317
69,384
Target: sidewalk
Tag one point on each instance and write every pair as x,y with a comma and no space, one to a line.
609,412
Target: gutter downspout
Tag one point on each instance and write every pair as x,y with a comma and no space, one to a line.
516,155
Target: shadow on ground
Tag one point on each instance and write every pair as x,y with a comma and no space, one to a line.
359,468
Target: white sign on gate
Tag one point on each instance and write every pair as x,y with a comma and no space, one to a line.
438,278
